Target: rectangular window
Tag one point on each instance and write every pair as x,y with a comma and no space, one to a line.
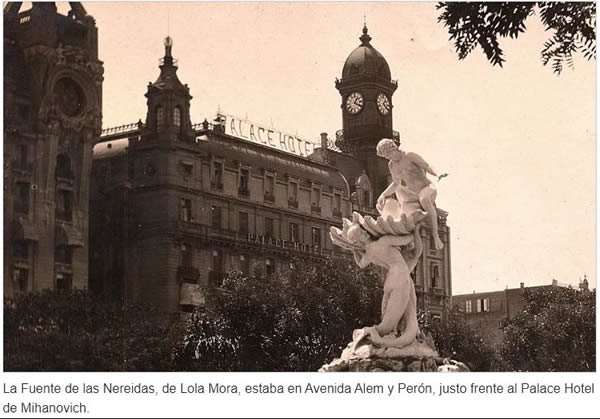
21,250
294,232
483,305
337,202
64,205
244,184
63,254
217,175
217,261
216,216
21,277
243,223
186,254
22,158
185,210
316,197
269,185
435,276
22,198
64,281
316,237
294,191
269,228
468,306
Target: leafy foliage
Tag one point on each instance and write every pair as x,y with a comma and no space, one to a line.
59,331
294,320
481,23
555,332
455,339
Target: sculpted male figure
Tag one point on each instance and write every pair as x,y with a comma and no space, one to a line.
410,182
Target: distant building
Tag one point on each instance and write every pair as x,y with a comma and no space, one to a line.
485,310
52,117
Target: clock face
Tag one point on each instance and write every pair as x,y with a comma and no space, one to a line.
69,96
354,103
383,104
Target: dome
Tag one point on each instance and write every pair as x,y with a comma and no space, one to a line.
366,59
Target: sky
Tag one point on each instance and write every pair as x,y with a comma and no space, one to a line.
519,142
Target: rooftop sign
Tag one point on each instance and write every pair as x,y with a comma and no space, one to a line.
250,131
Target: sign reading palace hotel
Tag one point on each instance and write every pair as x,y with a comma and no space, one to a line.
249,131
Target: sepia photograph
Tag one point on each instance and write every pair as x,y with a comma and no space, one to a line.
299,187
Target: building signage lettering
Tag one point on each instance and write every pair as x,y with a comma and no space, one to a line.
284,244
249,131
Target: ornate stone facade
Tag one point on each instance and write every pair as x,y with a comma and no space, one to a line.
52,117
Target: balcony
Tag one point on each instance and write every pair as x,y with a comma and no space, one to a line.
188,274
437,291
245,193
64,216
315,209
269,197
337,213
217,186
292,203
215,279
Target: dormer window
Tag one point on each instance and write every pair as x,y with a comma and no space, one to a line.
160,117
177,117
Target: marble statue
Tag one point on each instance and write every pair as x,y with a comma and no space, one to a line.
410,183
393,242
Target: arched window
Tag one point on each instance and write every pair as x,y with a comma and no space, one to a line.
160,117
177,117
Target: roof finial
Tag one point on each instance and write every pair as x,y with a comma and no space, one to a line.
365,38
168,60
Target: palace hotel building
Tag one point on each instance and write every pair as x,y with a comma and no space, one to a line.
174,205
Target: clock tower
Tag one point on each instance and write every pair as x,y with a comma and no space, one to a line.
366,89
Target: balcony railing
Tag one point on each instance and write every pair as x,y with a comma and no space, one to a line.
244,193
437,291
65,174
315,208
292,203
64,216
337,213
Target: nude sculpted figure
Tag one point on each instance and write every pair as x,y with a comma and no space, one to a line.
399,302
410,183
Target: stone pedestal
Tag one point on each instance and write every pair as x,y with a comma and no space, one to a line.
418,356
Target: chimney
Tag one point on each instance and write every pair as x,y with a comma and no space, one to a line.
554,283
323,141
522,285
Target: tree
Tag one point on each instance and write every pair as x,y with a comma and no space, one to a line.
73,331
481,23
295,320
455,339
555,332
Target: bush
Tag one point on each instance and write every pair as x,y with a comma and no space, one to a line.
555,332
73,331
455,339
295,320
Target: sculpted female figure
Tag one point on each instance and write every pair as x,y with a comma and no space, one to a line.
399,303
